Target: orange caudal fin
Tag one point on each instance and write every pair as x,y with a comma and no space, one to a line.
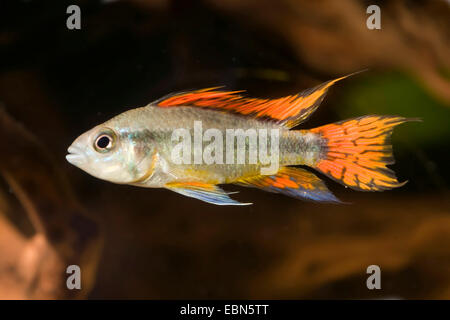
356,152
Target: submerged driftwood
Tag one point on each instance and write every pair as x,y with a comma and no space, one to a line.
35,266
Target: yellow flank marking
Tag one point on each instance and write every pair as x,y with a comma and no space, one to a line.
191,185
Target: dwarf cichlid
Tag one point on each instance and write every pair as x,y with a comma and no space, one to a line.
191,142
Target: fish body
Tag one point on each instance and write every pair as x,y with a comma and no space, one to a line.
151,128
190,142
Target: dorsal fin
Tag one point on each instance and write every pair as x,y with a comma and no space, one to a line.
288,111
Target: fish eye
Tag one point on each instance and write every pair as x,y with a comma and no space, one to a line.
104,141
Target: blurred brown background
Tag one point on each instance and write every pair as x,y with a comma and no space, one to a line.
141,243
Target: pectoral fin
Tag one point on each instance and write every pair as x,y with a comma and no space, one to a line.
293,182
205,192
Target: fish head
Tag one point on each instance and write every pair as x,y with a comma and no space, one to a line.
112,153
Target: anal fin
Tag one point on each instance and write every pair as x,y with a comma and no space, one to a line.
205,192
293,182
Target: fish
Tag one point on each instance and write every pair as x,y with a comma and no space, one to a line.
192,142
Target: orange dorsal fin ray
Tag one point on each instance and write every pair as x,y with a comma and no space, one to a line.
294,182
288,111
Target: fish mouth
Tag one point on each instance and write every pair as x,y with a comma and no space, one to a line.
75,155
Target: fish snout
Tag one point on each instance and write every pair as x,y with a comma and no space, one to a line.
75,156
